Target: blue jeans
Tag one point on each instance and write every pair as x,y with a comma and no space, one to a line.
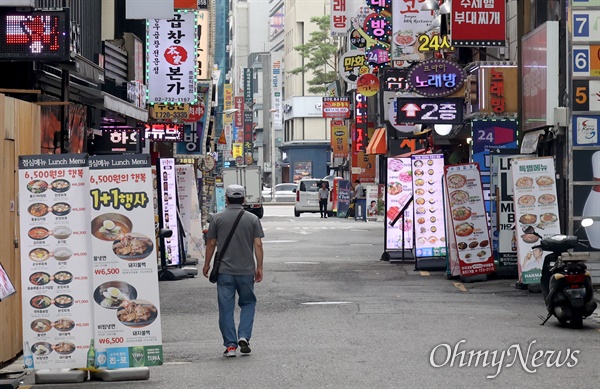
227,285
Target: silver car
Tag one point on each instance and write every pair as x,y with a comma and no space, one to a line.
284,193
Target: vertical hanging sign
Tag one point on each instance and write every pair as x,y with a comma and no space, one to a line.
276,96
171,68
125,275
55,260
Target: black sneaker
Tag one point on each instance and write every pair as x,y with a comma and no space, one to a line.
244,346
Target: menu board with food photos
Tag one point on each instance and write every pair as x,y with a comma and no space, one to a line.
536,212
428,192
125,275
469,219
398,193
55,260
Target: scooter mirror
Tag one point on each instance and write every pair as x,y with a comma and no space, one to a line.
587,222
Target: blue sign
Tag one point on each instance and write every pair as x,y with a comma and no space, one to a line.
117,358
585,130
488,135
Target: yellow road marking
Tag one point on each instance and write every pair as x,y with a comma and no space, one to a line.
460,286
424,273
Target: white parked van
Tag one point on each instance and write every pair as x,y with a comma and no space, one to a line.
307,196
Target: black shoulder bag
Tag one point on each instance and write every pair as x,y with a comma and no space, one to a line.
214,273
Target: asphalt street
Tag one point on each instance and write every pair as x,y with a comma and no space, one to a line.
332,315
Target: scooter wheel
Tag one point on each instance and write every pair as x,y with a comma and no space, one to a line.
576,320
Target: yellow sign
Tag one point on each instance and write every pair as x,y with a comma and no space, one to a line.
227,103
169,111
238,150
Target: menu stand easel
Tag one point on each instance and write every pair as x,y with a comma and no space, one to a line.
404,256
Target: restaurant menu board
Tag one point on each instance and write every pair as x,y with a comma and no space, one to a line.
125,276
190,211
398,193
536,211
428,192
469,220
453,268
168,209
55,260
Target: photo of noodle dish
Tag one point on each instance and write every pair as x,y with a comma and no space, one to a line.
112,294
41,348
544,181
547,199
526,200
41,325
524,182
132,246
137,313
459,197
456,181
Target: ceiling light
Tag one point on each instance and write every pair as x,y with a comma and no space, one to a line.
442,129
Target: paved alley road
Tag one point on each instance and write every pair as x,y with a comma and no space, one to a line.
332,315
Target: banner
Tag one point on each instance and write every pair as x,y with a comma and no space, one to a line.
56,255
239,115
276,90
340,23
343,198
189,206
536,211
339,139
248,86
469,219
125,297
336,107
399,191
248,138
363,165
227,103
171,60
430,228
169,210
478,23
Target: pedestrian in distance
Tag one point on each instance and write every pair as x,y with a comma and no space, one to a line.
238,270
359,190
323,197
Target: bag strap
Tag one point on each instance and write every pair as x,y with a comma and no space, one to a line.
235,224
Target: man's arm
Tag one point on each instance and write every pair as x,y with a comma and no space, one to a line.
258,251
211,244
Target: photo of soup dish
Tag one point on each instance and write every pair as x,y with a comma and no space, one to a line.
61,209
109,226
60,185
544,181
39,278
38,233
546,199
40,302
39,255
37,186
456,181
526,200
524,182
41,325
459,197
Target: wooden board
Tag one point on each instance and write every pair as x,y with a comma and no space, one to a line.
19,135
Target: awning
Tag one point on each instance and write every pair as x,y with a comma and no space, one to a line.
411,153
378,143
113,103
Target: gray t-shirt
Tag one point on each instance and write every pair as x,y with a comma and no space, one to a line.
239,257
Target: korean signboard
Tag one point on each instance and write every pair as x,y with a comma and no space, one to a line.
194,134
377,32
352,64
536,212
478,23
203,45
248,86
432,111
436,78
56,254
336,107
169,111
340,23
469,219
117,141
339,138
408,21
239,115
493,90
162,132
363,165
430,222
227,103
34,35
171,57
248,138
125,294
276,90
540,75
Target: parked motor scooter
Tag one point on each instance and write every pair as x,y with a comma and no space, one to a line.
566,284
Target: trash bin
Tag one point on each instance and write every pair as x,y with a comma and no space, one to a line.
360,209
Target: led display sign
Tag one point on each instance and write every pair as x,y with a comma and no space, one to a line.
429,111
163,132
34,35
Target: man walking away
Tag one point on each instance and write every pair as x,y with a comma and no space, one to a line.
323,197
359,190
238,271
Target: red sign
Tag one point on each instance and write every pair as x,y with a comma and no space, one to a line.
367,84
363,165
239,115
195,113
336,107
497,100
478,23
185,4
